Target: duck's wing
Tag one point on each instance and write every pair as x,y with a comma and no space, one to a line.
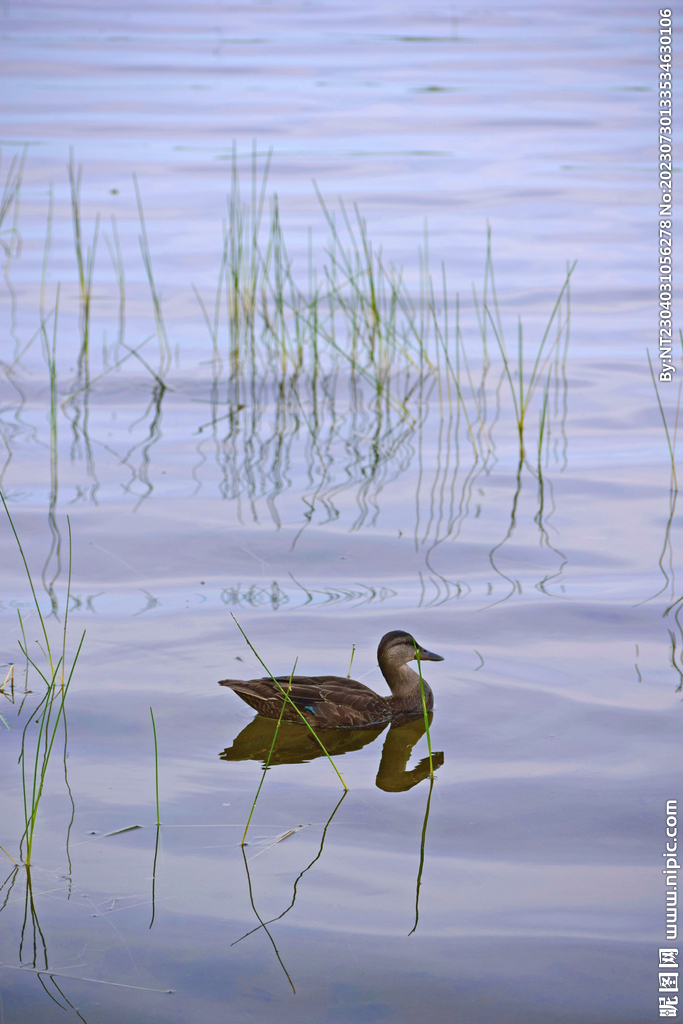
325,701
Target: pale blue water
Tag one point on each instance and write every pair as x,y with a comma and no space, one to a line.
322,518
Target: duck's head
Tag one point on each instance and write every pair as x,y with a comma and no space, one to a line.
399,647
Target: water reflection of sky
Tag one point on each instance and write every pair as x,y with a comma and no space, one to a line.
323,510
547,132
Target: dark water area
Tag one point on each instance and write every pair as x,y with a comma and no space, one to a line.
361,347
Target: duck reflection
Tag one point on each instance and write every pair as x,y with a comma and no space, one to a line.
296,745
392,775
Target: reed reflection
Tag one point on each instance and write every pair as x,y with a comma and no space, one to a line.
295,890
275,742
546,508
666,558
33,954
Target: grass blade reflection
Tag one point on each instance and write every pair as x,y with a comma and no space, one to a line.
270,754
262,923
298,878
418,884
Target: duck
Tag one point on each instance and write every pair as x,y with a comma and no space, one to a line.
334,702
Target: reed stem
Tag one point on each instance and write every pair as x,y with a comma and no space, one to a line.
156,763
424,710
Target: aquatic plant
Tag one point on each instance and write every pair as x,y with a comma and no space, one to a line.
522,391
346,357
352,308
49,712
424,709
85,261
156,764
164,347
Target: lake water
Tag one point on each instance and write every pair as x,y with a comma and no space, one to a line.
284,446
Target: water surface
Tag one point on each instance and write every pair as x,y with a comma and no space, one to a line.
325,501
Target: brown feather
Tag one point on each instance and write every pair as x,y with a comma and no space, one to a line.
326,702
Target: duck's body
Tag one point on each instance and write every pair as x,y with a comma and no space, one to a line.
333,701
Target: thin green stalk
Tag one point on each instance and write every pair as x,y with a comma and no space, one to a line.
28,573
542,417
48,751
666,426
46,251
164,347
353,651
156,763
85,263
290,701
23,739
12,247
93,380
43,732
424,710
521,401
28,570
520,374
47,727
270,754
673,498
117,263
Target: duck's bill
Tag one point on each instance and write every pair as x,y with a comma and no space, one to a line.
428,655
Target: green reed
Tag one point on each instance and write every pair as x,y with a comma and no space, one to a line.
353,651
522,391
352,309
50,355
288,699
50,710
156,763
162,336
114,246
270,754
9,200
671,444
671,435
10,238
276,332
424,710
85,261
